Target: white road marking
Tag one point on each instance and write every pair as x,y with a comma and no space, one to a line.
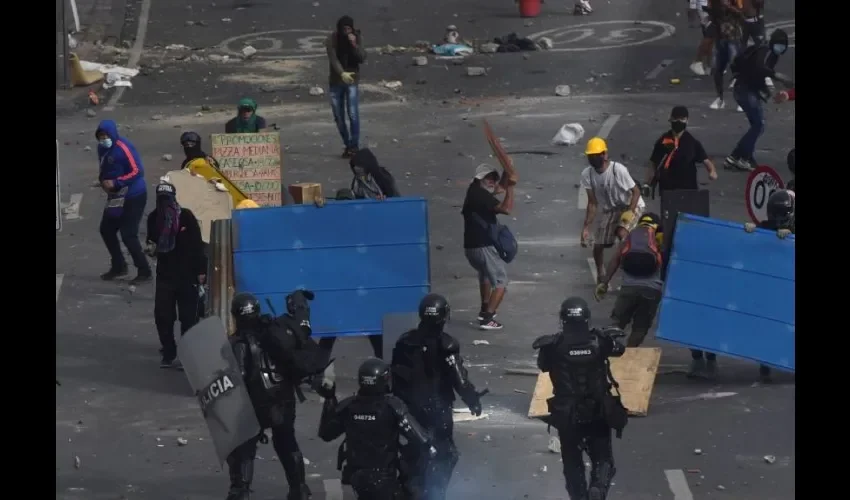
614,39
604,132
559,241
333,489
678,484
135,51
72,210
592,265
704,396
652,75
59,279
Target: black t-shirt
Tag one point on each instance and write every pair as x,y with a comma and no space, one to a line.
482,202
677,160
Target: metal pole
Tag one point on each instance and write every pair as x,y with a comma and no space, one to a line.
66,53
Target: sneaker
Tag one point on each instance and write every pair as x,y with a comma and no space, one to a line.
489,324
697,369
346,153
483,314
732,163
768,81
178,364
697,68
142,277
114,274
168,362
739,109
718,104
732,84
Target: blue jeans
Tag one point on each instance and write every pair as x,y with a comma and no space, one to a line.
725,52
345,98
753,107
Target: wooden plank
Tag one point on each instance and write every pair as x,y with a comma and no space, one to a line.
253,163
635,372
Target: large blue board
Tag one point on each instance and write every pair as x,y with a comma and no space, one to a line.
730,292
363,259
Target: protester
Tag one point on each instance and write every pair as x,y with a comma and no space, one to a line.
480,208
246,121
198,162
672,164
174,236
371,180
611,189
698,10
730,31
345,55
122,177
751,91
753,11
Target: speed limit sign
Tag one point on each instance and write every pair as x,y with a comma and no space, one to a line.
762,182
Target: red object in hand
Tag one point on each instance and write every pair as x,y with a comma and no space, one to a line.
529,8
792,94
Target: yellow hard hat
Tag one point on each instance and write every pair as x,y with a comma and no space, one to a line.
247,203
596,146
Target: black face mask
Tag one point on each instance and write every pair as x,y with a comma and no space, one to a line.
678,126
596,161
192,151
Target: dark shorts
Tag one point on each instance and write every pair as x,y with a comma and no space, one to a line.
637,305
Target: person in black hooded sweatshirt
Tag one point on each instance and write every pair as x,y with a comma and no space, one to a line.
345,55
174,236
371,181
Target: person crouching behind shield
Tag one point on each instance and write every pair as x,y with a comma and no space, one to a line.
640,258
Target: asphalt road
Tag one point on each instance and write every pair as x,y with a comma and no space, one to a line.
121,415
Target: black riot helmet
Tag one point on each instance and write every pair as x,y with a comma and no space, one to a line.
780,206
374,377
575,316
792,160
434,311
244,307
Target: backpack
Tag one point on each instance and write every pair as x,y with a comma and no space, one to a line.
640,256
502,237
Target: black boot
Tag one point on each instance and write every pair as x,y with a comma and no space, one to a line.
241,475
600,480
296,476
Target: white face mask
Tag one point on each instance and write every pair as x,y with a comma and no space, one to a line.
107,143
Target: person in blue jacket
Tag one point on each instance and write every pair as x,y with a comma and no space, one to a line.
122,177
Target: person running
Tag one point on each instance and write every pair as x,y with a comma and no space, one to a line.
730,31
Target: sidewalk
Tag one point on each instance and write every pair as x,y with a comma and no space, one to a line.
101,21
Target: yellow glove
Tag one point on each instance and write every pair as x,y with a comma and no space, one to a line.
601,290
627,217
347,77
749,227
782,233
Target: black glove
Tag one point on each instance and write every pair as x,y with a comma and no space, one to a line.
299,300
327,392
473,401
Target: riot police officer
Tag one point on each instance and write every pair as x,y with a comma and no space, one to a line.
372,422
582,408
427,369
274,355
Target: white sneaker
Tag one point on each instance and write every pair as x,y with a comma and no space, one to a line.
740,109
732,84
768,81
718,104
697,68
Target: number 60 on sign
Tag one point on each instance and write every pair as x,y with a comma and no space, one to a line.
762,182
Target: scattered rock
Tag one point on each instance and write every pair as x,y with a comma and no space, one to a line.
526,57
392,85
206,107
544,469
422,44
475,71
87,148
562,90
439,247
315,4
198,114
487,438
91,113
306,461
167,157
420,61
554,445
226,20
248,51
76,462
480,342
421,81
720,487
189,23
176,46
697,451
157,117
316,91
217,58
545,43
488,48
770,459
447,139
182,441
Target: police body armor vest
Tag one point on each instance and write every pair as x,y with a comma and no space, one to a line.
641,257
419,371
371,434
264,368
579,378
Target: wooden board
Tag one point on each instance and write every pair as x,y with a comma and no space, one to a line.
202,198
307,192
252,162
634,371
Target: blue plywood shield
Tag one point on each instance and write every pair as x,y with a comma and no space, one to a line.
363,259
730,292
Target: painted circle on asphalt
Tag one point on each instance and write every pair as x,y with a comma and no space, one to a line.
279,44
788,26
761,183
604,35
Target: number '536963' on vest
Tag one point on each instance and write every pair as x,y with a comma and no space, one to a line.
641,255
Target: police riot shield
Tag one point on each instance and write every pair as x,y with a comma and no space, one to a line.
216,380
